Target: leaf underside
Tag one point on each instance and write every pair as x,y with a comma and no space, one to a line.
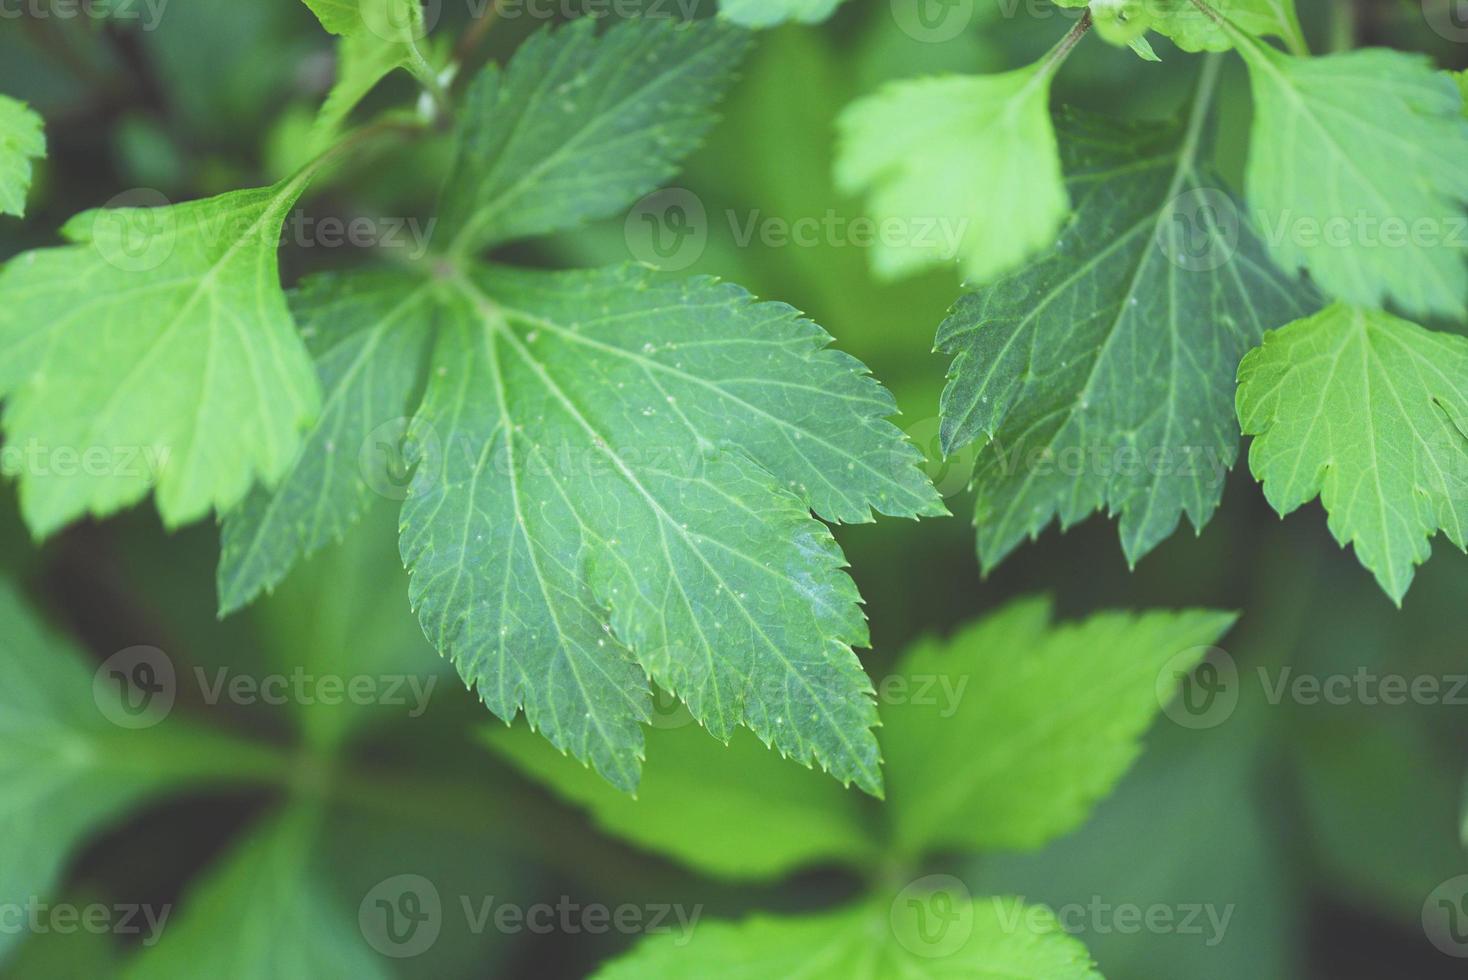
1101,375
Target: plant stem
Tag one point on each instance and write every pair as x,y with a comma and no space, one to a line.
1343,25
475,34
1057,55
428,78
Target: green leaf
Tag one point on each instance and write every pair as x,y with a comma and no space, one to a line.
579,126
369,332
1356,171
737,811
627,470
361,62
345,615
22,139
769,13
157,350
67,770
1192,29
966,165
387,21
1118,21
1049,720
1370,412
1101,374
996,938
1143,49
262,914
1213,784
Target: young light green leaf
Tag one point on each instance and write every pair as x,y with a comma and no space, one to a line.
1356,171
392,22
22,139
1370,412
918,935
361,62
769,13
1193,29
966,164
369,332
1101,374
623,491
158,348
262,914
1143,49
579,125
66,768
1118,21
737,811
1049,720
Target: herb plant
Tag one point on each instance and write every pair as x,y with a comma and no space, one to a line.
615,487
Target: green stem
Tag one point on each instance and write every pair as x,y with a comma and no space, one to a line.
1342,25
428,78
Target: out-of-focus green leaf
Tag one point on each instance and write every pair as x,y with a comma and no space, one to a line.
1044,721
1190,838
916,936
66,768
737,811
768,13
263,914
1387,131
964,166
22,140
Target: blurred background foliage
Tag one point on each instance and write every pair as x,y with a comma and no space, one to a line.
1325,826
